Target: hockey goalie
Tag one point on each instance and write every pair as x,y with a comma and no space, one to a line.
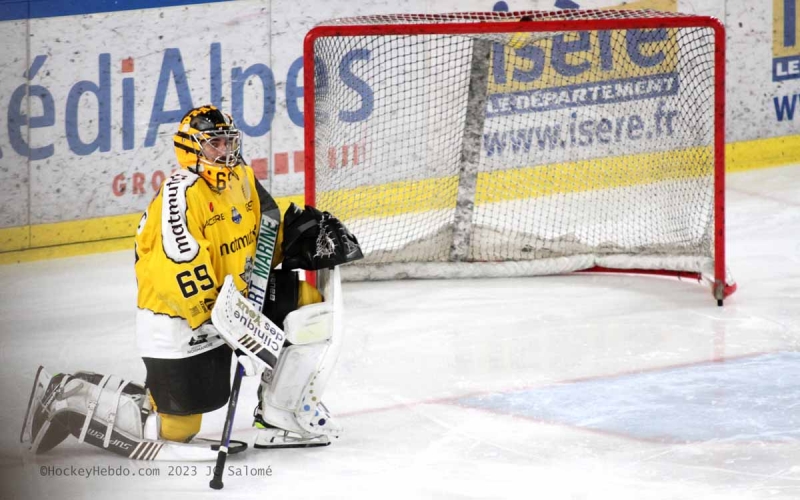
201,243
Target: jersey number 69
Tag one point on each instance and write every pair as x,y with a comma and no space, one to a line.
188,285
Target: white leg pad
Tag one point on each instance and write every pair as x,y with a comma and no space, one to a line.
106,412
78,401
293,400
152,427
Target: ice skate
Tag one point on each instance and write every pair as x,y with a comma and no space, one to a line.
39,431
270,436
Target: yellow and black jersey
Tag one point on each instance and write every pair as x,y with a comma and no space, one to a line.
190,237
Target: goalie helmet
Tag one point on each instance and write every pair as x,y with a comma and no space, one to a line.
209,144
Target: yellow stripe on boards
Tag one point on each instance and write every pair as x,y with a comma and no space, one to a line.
72,238
70,250
15,238
391,199
592,175
762,153
528,182
79,231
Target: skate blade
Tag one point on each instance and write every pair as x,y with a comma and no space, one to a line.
289,445
40,383
280,441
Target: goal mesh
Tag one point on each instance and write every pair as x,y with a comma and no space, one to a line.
582,139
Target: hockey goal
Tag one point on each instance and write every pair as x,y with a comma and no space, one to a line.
521,143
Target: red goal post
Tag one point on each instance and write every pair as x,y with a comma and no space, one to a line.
521,143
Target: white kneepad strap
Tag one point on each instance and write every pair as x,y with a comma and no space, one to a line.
91,405
113,405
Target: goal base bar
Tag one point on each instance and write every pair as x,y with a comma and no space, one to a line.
700,269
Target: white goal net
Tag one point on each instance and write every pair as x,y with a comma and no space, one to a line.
520,143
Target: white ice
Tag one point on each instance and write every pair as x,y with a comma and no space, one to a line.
576,387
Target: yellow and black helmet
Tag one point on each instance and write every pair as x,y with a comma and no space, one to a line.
209,144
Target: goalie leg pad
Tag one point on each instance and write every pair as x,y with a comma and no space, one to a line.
88,405
292,400
107,412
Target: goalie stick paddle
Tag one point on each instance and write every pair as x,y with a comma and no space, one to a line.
256,292
246,329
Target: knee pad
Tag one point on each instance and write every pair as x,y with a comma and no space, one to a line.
292,399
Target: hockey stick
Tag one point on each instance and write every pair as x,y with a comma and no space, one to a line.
222,456
259,278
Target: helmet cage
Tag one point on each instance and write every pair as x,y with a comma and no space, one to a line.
212,154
